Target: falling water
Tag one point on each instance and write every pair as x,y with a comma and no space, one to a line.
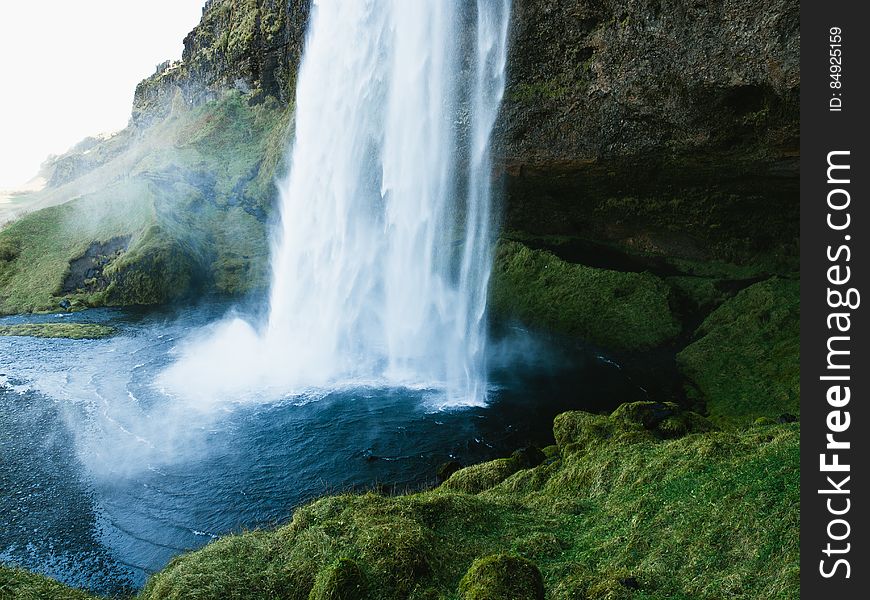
382,261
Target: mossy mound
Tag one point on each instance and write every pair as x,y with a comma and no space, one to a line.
617,310
73,331
477,478
18,584
745,362
502,577
629,423
343,580
627,506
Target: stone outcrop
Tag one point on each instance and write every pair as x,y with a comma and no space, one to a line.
655,125
250,45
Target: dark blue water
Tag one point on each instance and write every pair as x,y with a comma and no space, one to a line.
103,478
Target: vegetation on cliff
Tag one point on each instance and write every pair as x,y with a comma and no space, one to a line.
18,584
685,159
189,201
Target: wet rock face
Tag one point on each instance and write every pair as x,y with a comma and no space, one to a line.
593,79
655,125
86,272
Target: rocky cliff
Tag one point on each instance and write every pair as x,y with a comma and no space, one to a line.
253,46
588,79
655,125
652,80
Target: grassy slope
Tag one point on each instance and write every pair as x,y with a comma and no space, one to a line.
647,503
617,500
38,247
192,194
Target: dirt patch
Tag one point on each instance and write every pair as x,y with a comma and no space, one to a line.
86,272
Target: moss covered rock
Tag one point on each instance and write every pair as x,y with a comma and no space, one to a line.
699,294
157,222
665,419
745,362
620,311
502,577
446,469
528,457
73,331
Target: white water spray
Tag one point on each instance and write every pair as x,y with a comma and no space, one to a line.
382,262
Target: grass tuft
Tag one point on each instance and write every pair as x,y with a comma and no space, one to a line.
18,584
502,577
342,580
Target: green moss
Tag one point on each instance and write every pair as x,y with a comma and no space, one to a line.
74,331
17,584
531,92
637,421
627,508
49,239
156,270
551,452
706,226
745,362
776,262
502,577
621,311
9,251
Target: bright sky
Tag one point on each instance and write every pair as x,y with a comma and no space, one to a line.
69,69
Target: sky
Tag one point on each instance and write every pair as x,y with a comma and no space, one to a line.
68,69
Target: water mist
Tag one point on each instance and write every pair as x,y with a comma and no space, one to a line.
382,259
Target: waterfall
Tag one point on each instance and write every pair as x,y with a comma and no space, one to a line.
382,260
